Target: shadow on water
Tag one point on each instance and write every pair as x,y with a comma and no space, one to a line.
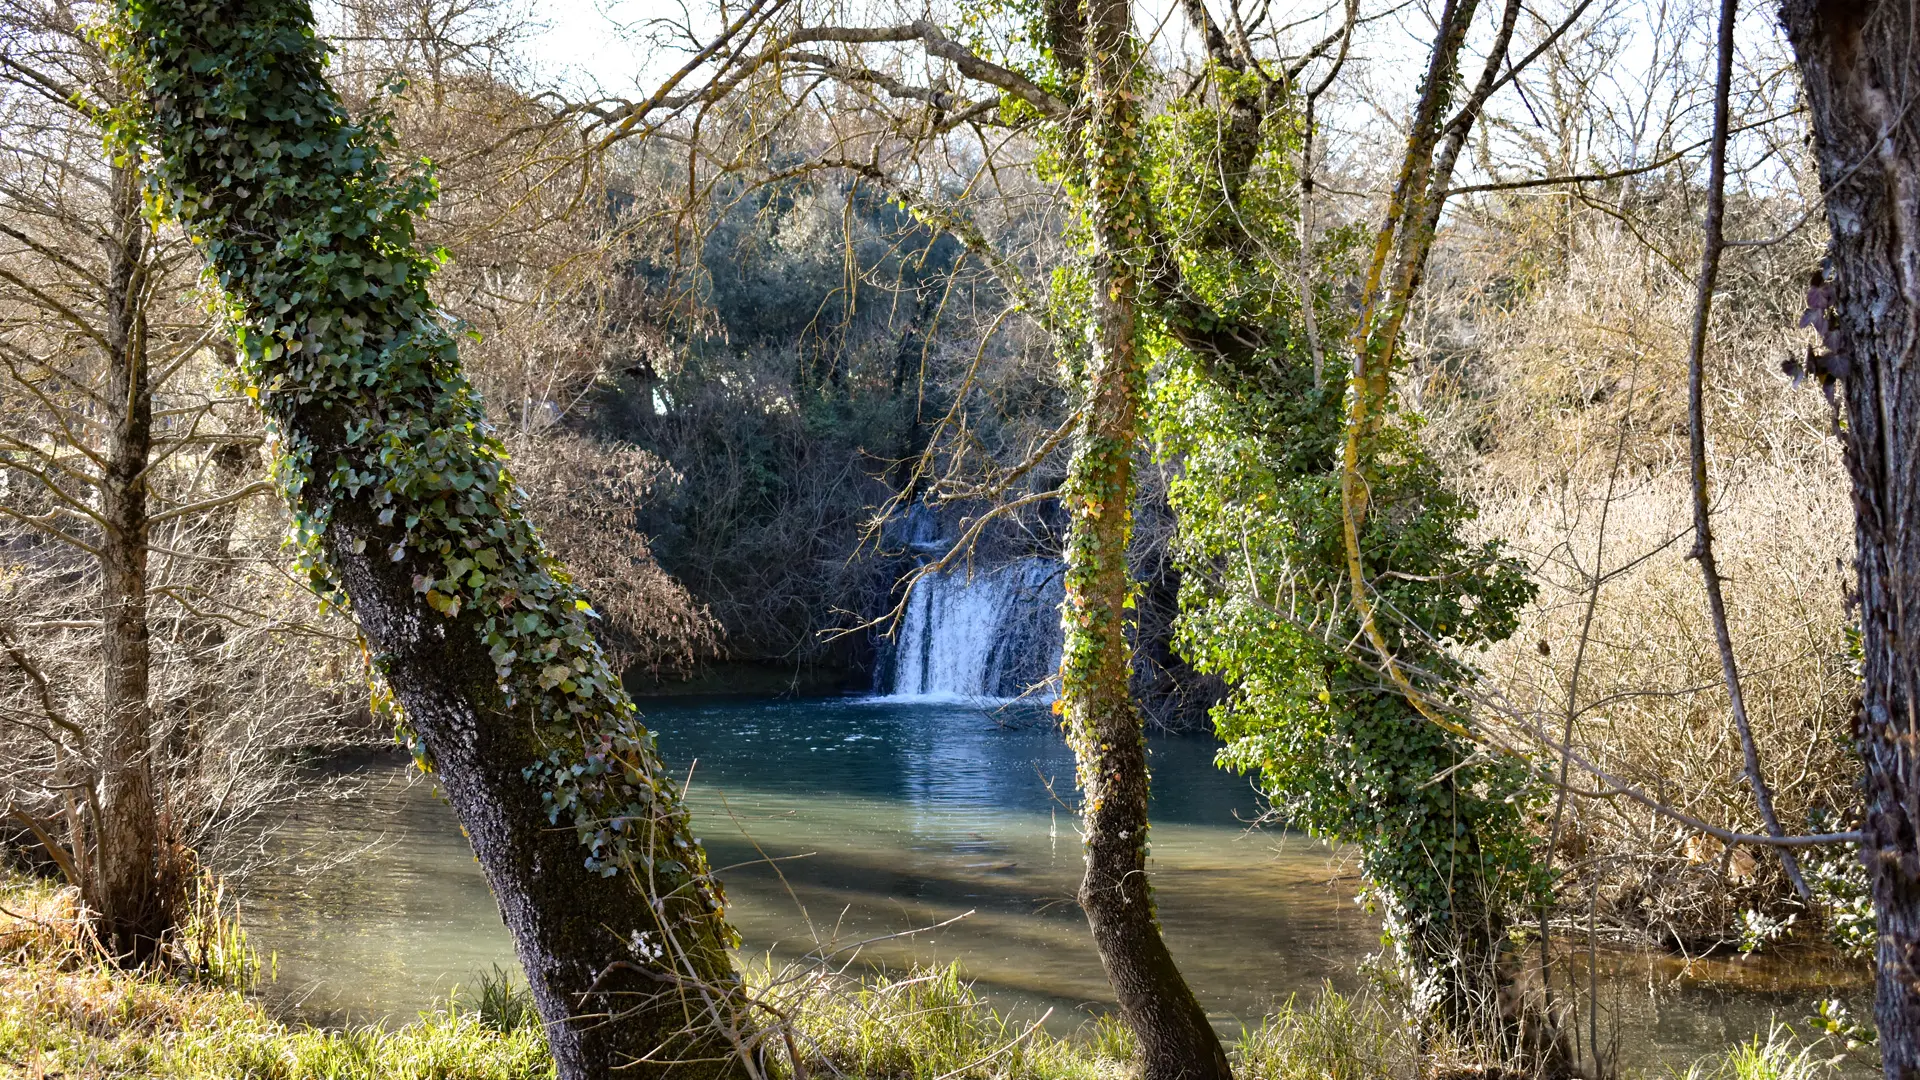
840,821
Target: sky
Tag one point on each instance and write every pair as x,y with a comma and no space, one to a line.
592,47
583,44
603,44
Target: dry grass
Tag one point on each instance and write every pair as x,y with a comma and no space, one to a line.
1651,705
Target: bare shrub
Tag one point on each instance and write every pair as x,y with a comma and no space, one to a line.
1652,709
584,496
158,663
1569,423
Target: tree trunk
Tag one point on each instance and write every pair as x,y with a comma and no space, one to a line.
401,494
1104,723
135,908
1861,72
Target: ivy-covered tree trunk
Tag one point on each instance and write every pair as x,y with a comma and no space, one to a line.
1860,67
130,890
1104,724
407,513
1286,486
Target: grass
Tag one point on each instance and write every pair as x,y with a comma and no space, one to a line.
1777,1055
65,1014
212,947
504,1005
928,1024
1331,1037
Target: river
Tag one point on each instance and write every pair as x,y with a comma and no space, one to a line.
837,822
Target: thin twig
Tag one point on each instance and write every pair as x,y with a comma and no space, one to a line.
1697,439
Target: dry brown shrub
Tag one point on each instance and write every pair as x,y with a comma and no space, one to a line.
1569,423
584,496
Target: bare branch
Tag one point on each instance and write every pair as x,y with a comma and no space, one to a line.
1697,436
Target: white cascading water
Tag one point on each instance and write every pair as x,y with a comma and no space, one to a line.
992,635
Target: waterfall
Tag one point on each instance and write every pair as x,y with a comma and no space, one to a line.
994,634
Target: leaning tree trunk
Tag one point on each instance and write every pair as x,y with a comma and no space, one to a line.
1862,73
132,893
406,511
1103,722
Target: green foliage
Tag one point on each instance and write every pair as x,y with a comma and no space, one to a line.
1191,197
505,1003
1098,493
807,265
1759,930
1844,896
308,234
826,314
1836,1021
1441,824
1341,754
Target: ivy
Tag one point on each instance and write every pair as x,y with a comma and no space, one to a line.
1098,490
1443,826
307,226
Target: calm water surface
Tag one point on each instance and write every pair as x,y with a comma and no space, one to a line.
841,821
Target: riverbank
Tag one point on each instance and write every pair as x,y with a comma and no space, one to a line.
65,1014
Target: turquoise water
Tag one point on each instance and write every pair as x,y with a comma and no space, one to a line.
890,834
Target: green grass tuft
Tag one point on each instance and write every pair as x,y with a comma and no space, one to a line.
505,1003
211,946
927,1024
1777,1055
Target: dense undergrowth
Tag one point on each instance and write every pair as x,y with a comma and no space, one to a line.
66,1014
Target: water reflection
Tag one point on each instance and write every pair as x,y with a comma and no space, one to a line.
886,818
842,822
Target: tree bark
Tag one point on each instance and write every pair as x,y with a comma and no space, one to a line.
135,908
1861,74
401,492
1104,724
